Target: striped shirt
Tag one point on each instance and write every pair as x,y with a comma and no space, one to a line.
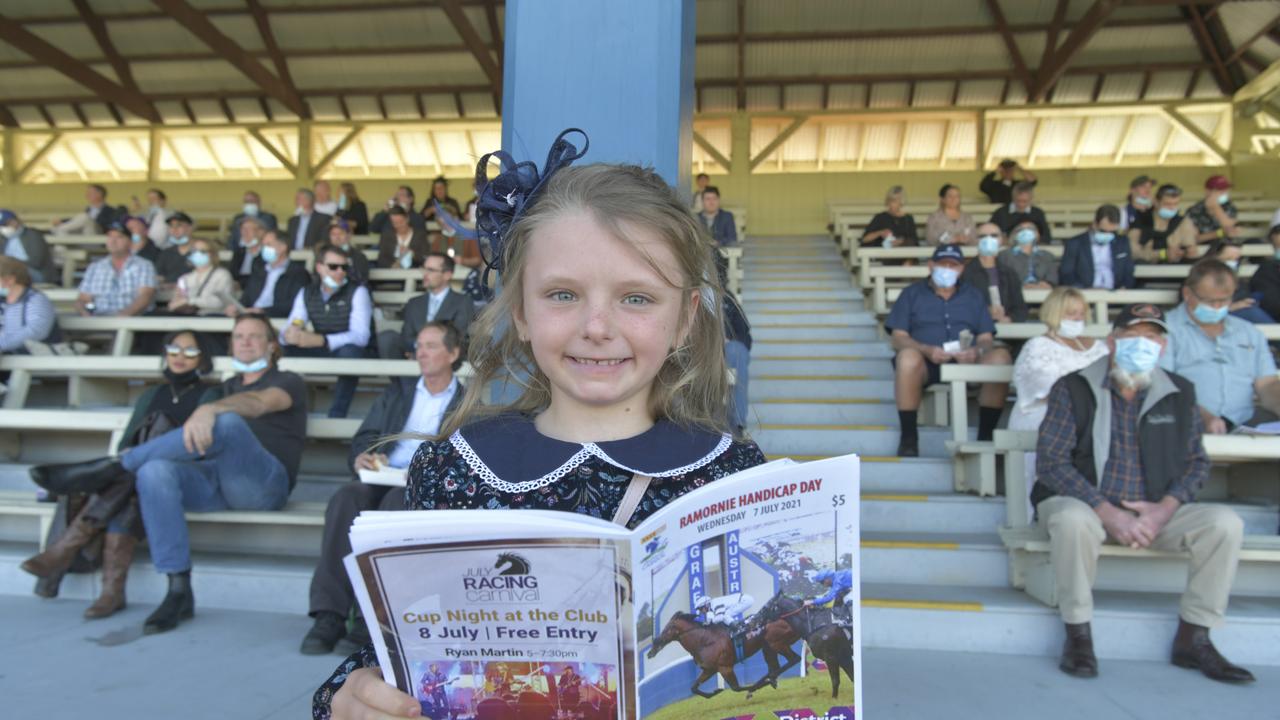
114,291
30,318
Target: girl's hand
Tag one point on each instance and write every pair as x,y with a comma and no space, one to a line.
1242,304
364,696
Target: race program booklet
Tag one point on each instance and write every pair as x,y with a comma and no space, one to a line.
738,600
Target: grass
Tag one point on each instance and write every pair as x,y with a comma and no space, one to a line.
793,693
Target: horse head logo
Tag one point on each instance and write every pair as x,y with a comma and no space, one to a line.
516,565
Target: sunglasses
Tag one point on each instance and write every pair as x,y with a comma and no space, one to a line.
337,266
190,352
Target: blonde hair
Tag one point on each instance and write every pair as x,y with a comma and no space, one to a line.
1055,305
691,389
895,192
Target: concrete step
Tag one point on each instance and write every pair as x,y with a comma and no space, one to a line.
872,413
860,350
834,293
862,389
1126,626
876,441
803,332
877,368
918,476
844,318
923,513
934,559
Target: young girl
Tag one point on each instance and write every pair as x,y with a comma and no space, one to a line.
603,309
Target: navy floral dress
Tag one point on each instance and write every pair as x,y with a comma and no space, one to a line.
505,463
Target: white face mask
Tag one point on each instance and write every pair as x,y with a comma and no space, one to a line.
1071,328
9,232
251,209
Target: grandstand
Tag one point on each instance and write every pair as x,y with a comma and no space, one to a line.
803,113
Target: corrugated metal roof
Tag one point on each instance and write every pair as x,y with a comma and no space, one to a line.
847,97
773,16
802,97
175,76
890,95
1074,89
980,92
1139,45
716,16
889,56
719,100
398,28
359,72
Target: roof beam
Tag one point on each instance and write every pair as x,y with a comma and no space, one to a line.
1051,37
1200,31
275,151
711,150
1183,123
495,32
99,30
378,51
741,41
273,49
56,59
1019,65
198,24
461,23
776,143
1222,46
337,149
1049,74
1265,29
304,9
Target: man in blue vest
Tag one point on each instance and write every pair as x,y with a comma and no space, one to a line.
332,317
1120,458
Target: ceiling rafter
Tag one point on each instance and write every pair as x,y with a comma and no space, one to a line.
1200,31
337,8
58,60
479,49
273,49
1222,46
1048,74
198,24
1051,35
1015,55
99,30
1244,46
495,32
741,40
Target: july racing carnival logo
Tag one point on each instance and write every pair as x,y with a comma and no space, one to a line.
509,580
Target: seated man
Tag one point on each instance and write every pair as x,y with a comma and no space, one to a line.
717,222
985,272
140,241
1022,209
1215,215
408,405
1138,206
275,281
248,248
96,217
927,321
998,184
155,215
28,246
404,200
1164,234
252,209
700,183
26,314
1120,457
1037,268
839,584
239,450
119,284
1225,357
1098,257
340,236
308,228
401,244
438,304
340,315
172,263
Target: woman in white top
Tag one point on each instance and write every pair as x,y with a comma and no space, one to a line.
205,289
949,225
1043,360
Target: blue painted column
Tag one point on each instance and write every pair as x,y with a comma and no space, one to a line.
622,70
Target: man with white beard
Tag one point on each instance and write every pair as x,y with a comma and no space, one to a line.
1120,459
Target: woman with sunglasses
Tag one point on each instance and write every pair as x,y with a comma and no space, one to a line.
113,506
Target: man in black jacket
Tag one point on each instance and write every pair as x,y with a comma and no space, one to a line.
408,405
1022,209
438,304
997,184
1120,457
274,281
309,227
27,245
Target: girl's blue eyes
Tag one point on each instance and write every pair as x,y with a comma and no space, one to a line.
566,296
562,296
635,300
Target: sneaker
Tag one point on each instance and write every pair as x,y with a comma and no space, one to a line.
324,634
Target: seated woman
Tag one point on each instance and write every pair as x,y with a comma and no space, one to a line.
26,314
111,504
984,273
204,290
1043,360
893,227
949,224
1245,303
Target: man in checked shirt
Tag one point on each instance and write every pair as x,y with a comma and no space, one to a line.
1120,458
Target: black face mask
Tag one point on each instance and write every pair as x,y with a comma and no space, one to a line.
186,378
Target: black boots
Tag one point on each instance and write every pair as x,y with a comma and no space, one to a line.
179,604
82,477
328,629
1078,659
1193,649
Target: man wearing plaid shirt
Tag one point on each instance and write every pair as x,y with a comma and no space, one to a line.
121,283
1120,458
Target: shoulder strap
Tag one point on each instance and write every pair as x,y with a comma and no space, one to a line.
631,499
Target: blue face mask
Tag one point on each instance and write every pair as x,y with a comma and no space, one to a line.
269,254
1168,213
1025,236
1137,354
1139,201
179,240
333,284
944,277
136,238
198,258
1224,198
988,245
4,292
1102,237
1206,315
256,366
1277,254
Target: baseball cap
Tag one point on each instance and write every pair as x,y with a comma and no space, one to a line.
119,226
1217,182
180,217
6,216
1142,313
1141,180
948,252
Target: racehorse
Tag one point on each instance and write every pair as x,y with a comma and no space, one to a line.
517,565
826,641
711,647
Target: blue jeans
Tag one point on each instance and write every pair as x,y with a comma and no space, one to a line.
345,388
738,357
1255,314
236,473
